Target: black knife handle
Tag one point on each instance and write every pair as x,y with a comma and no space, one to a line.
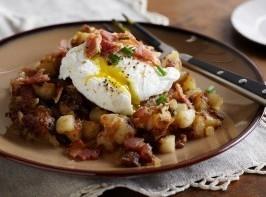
249,85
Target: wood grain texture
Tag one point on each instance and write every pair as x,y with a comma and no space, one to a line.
213,19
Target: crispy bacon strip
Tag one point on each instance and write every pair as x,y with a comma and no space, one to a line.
143,53
79,151
109,43
93,44
64,46
109,47
179,95
138,145
152,119
130,159
106,35
141,117
32,76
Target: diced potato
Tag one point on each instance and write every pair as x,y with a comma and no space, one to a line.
159,122
79,38
185,118
173,105
96,114
68,126
199,126
183,75
167,144
172,60
200,102
65,124
210,121
215,101
123,130
176,107
90,129
189,83
45,91
209,131
116,130
193,92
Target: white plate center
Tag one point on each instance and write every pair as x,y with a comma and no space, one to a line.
261,25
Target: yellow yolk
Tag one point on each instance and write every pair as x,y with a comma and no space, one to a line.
116,77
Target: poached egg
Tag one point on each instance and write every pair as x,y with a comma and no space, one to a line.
117,88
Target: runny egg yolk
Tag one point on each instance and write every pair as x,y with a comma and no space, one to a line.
116,76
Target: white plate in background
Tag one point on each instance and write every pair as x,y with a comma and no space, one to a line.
249,19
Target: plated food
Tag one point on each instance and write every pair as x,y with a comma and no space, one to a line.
109,93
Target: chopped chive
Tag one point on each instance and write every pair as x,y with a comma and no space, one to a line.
127,51
160,71
114,59
210,89
161,99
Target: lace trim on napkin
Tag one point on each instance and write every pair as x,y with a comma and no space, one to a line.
214,183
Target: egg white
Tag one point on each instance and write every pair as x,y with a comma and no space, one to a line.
106,91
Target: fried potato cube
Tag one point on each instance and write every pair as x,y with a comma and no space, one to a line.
200,102
185,118
189,83
199,126
116,130
215,101
211,121
172,60
90,129
167,144
70,127
65,124
209,131
79,38
176,107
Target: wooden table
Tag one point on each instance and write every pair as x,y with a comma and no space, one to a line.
213,19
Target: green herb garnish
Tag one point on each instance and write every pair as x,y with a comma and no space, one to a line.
160,71
161,99
127,51
210,89
114,59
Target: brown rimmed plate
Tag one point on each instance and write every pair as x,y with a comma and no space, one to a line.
28,47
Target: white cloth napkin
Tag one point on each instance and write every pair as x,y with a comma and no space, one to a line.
20,181
16,16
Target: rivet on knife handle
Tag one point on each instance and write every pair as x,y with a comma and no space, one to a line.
250,88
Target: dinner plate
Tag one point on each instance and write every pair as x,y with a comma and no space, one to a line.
28,47
249,19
